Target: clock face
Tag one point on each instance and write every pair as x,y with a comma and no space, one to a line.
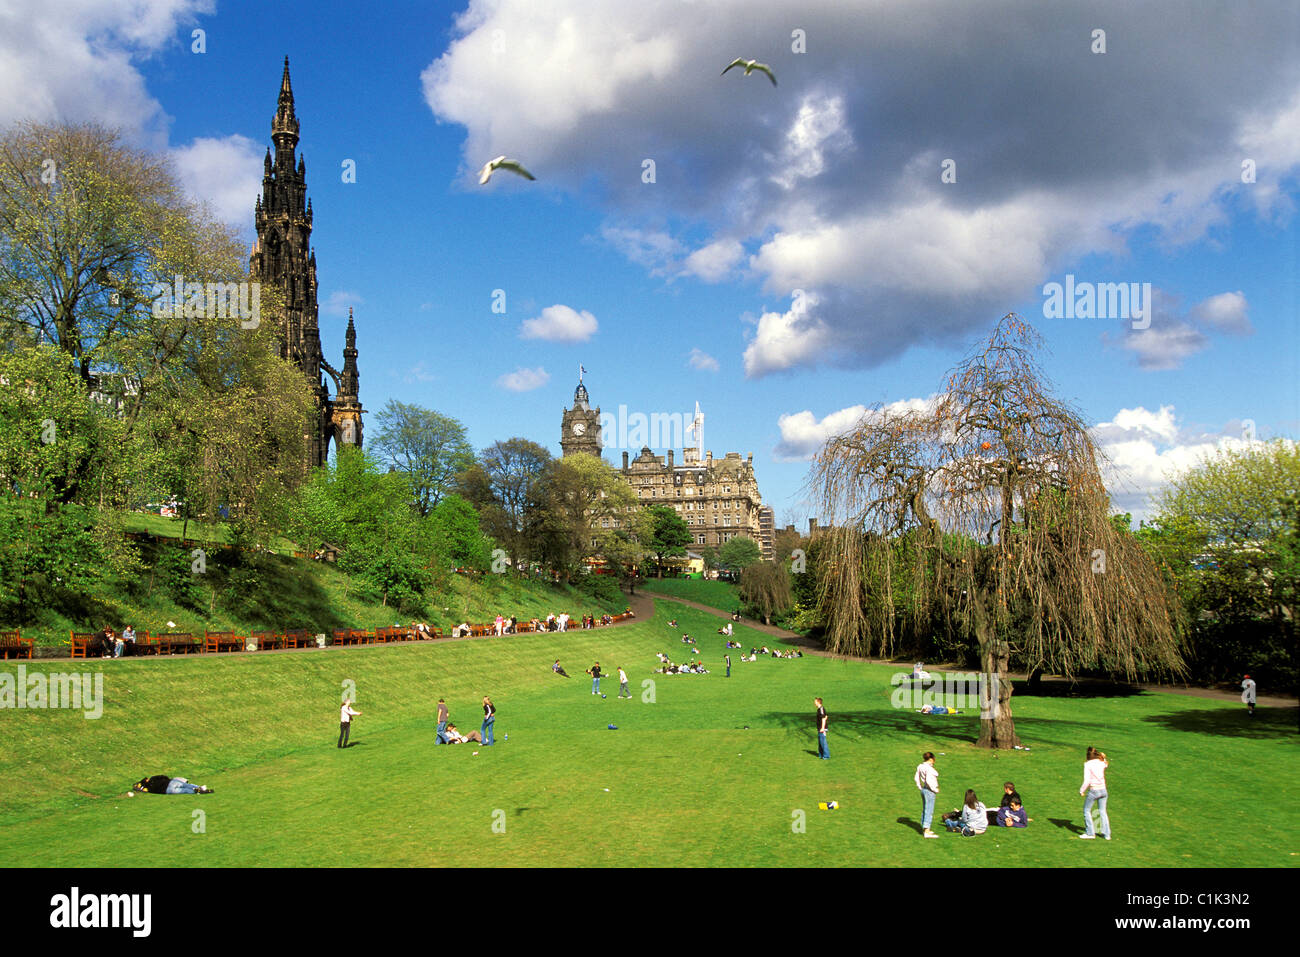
579,428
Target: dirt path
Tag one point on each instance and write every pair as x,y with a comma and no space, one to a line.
812,647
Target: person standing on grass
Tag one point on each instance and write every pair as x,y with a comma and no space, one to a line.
442,722
1094,786
823,751
1248,693
727,659
345,722
622,683
927,780
594,671
489,719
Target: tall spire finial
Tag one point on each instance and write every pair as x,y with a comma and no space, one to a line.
284,128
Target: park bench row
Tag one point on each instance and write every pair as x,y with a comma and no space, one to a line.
526,627
13,645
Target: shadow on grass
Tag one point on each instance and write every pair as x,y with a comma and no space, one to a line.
1088,688
1070,826
1232,722
914,825
954,727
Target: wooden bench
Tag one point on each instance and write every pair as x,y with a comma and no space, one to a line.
175,643
215,642
142,646
266,640
80,642
14,645
360,637
299,638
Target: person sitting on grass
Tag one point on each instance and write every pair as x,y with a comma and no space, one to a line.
558,670
1013,814
972,819
1009,794
673,623
166,784
455,737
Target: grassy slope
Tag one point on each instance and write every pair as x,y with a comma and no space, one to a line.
687,783
715,594
298,593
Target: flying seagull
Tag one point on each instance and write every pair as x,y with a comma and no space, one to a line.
501,162
750,66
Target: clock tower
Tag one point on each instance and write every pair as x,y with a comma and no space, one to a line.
580,426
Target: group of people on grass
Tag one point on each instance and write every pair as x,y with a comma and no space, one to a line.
448,733
973,818
596,675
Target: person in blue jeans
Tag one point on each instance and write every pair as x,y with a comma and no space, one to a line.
489,719
926,779
823,751
442,722
1093,792
594,671
166,784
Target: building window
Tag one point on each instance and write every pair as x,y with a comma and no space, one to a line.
699,539
726,520
604,523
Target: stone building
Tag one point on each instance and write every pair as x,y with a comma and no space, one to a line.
282,256
717,498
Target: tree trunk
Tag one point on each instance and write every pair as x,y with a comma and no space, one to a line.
997,727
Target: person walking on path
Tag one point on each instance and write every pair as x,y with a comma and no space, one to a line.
345,722
442,722
594,671
823,751
622,683
1248,693
489,719
1094,787
727,659
927,780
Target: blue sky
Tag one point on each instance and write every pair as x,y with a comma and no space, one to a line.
1122,165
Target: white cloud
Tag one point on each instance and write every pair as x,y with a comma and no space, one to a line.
75,60
1146,450
654,250
339,301
524,380
227,173
784,340
803,434
560,323
699,359
1165,346
818,128
1225,312
714,262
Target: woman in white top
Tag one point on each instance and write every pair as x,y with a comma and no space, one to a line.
1094,789
927,780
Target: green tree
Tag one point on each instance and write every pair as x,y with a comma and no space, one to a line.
765,589
988,512
739,553
1225,533
457,537
668,535
577,507
429,448
509,471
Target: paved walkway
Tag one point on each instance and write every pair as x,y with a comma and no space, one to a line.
815,648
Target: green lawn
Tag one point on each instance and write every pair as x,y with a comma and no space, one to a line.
711,772
715,594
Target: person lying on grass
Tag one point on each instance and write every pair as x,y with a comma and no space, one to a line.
166,784
936,709
455,737
558,670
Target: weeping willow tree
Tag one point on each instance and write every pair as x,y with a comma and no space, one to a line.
984,512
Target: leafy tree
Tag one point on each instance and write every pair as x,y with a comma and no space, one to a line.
576,509
668,535
1225,533
456,535
429,448
355,505
739,553
510,470
765,589
987,512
